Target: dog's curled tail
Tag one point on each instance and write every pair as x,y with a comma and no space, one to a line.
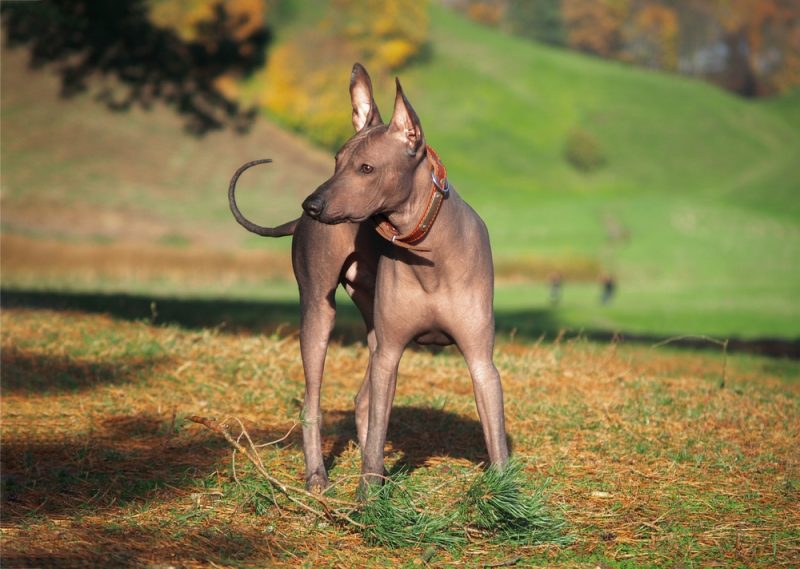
279,231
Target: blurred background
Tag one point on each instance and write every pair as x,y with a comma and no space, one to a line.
637,161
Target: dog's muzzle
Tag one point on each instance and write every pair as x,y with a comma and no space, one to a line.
314,206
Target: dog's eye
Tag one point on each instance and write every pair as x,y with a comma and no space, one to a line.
366,169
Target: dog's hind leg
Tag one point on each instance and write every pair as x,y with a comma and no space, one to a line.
317,258
477,348
363,299
359,282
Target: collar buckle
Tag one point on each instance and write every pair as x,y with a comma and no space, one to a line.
443,186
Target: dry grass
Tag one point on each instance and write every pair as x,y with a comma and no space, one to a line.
651,462
30,261
27,260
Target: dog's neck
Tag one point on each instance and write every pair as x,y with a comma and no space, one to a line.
410,225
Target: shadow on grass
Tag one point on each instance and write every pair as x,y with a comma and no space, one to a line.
262,316
26,372
108,544
84,484
143,460
121,460
418,433
530,324
253,316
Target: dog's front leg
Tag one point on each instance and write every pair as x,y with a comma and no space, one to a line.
383,380
364,301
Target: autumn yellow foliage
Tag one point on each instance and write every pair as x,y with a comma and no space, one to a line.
593,25
310,96
306,80
387,34
651,37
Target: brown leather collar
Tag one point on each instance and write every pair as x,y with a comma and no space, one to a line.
439,191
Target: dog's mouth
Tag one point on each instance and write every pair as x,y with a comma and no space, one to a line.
337,219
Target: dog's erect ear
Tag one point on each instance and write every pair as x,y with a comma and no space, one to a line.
405,122
365,111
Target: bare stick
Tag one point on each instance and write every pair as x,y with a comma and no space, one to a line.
690,337
285,489
722,343
506,563
276,441
233,466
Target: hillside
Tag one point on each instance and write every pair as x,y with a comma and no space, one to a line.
74,169
695,210
704,182
507,117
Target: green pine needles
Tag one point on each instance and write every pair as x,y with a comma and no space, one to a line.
392,517
499,505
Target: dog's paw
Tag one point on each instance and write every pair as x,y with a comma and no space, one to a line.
317,482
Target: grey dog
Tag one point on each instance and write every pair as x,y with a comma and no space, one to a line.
413,256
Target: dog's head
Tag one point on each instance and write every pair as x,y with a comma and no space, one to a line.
375,169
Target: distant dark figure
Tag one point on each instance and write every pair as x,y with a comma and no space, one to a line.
556,280
609,287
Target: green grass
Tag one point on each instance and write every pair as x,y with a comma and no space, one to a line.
704,183
502,107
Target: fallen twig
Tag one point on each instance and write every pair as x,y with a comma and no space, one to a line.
506,563
287,490
721,343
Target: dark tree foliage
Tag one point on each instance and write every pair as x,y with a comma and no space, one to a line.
90,39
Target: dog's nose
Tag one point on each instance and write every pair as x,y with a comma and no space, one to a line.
313,206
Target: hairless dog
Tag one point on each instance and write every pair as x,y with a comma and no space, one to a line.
414,257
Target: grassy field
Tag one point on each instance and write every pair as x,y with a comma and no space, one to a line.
652,461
